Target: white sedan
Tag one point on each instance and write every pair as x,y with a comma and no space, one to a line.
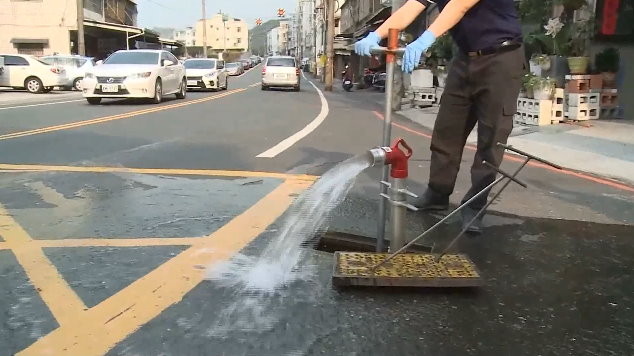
28,72
206,73
136,74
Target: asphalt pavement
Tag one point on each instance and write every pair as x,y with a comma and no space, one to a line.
110,214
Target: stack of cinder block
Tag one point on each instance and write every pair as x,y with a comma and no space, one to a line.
609,103
535,112
421,90
583,96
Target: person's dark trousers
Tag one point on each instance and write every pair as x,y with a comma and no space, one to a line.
481,89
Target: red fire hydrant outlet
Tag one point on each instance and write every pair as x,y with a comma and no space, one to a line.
398,159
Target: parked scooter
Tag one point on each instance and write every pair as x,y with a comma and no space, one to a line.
368,77
378,81
347,77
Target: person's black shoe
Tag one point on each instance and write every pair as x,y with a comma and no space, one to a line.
467,215
432,201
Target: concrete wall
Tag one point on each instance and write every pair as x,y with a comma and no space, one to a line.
237,33
46,19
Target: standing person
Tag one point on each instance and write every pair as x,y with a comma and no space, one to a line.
482,86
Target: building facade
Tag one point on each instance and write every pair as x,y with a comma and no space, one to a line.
187,36
272,41
50,26
306,31
223,33
284,40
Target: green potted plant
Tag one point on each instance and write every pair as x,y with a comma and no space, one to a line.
543,88
607,63
528,82
578,34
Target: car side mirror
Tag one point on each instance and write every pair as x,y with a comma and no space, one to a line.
99,62
167,63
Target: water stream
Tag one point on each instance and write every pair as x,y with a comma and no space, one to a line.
283,260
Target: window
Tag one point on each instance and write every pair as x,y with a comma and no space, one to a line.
172,58
200,64
281,62
15,61
33,49
239,40
133,57
238,29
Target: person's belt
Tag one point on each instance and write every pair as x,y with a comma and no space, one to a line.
502,47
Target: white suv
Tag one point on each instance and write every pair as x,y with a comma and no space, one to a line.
136,74
28,72
280,71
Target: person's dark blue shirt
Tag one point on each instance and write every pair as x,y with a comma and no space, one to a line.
487,24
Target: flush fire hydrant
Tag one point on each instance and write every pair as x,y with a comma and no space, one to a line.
397,157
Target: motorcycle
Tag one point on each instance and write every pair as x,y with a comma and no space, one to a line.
347,80
378,81
368,77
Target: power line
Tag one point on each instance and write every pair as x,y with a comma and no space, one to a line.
161,5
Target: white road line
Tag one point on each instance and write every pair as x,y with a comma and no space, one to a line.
41,104
290,141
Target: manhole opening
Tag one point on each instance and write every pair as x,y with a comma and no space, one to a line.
332,241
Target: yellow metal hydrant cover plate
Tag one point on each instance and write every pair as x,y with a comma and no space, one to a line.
405,270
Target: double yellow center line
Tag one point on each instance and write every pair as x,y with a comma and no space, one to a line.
127,115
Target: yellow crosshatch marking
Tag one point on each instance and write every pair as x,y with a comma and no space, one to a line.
93,331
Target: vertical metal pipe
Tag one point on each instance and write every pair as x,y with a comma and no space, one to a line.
397,237
392,44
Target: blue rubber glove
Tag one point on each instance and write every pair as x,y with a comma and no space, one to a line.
415,50
364,46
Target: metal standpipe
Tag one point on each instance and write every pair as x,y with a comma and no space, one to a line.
390,52
398,211
395,193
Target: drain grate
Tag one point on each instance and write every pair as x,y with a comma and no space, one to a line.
406,270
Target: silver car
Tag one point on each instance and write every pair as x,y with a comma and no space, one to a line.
280,71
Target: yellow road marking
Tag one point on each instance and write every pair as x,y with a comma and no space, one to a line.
128,115
116,242
100,328
159,171
56,293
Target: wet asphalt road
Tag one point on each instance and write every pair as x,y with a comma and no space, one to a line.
557,258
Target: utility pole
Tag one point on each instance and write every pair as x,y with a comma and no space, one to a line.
330,43
397,93
81,44
204,29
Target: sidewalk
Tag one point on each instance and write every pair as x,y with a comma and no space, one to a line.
9,97
606,148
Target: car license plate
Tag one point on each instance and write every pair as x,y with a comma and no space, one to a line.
192,82
109,88
279,76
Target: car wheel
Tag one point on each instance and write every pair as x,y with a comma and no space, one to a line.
94,101
77,84
158,92
33,85
265,88
182,92
226,84
297,88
